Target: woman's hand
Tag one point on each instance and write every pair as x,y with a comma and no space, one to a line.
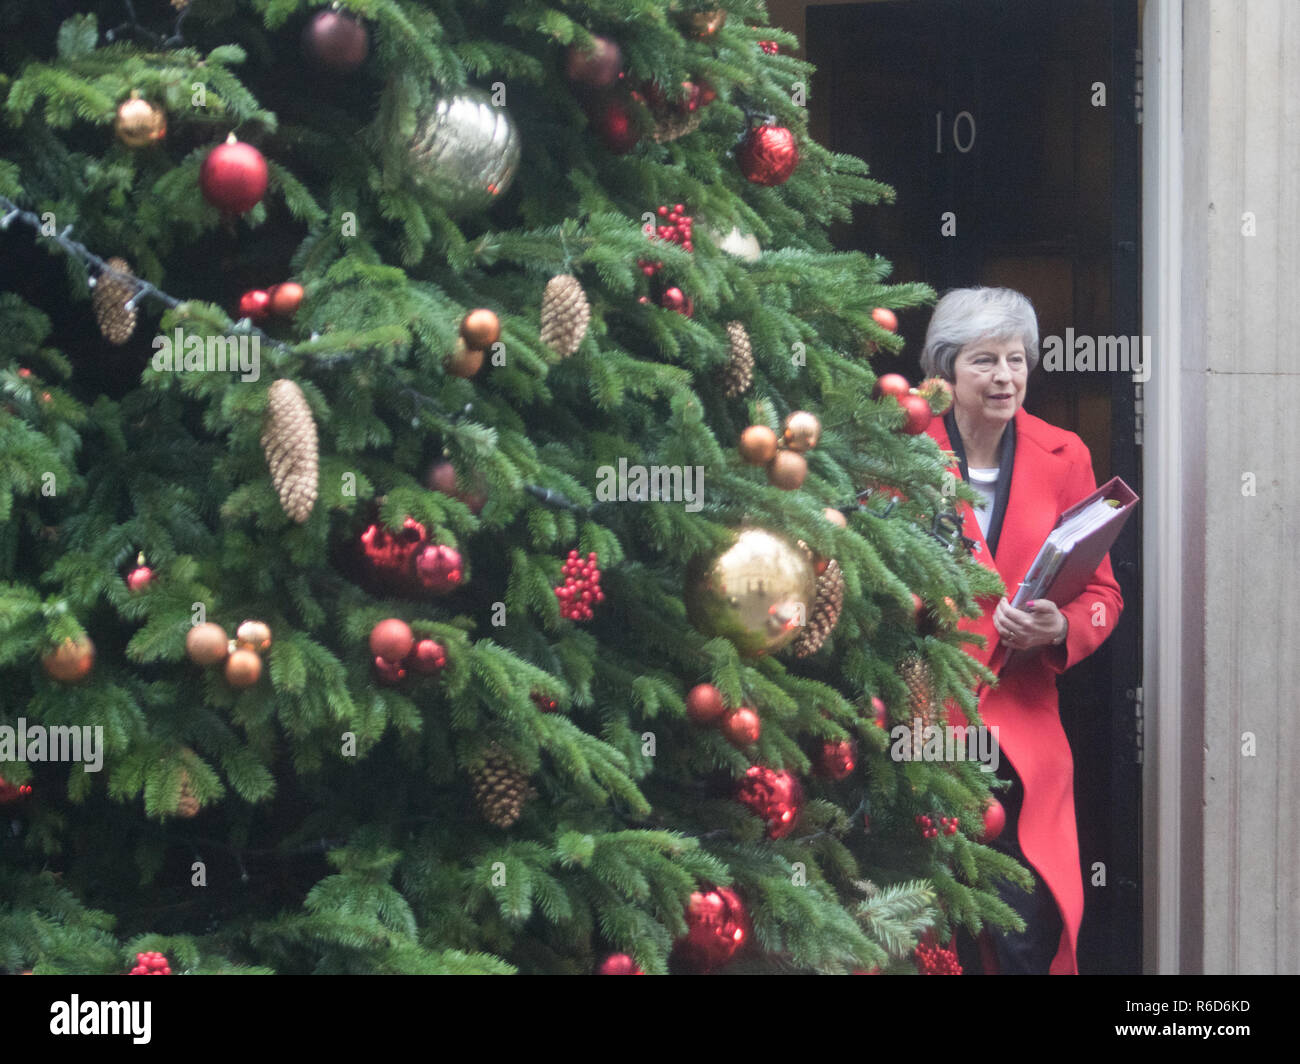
1038,625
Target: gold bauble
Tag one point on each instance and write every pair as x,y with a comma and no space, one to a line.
71,661
465,150
139,123
254,635
758,445
464,361
758,593
802,431
787,470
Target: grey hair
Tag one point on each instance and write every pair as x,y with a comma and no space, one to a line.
965,315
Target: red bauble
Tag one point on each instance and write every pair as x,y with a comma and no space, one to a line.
773,796
439,568
391,639
918,414
139,577
719,928
741,726
336,42
995,819
882,713
255,304
428,657
389,673
768,155
442,477
894,384
544,702
598,66
151,963
704,704
839,757
286,298
615,127
234,176
885,318
619,964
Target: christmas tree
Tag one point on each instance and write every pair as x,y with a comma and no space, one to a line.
441,467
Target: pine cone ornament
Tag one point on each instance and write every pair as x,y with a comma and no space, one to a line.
825,612
739,373
289,440
188,805
501,788
920,692
110,298
671,126
565,314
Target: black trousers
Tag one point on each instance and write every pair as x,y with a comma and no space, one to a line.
1029,952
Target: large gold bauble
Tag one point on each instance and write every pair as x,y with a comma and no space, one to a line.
139,123
758,593
802,431
466,149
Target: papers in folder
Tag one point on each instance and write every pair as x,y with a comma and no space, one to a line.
1072,552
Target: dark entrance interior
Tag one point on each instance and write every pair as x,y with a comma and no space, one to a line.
991,110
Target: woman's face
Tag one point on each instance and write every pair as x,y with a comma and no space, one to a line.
989,378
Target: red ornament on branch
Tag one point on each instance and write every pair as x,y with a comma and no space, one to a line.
995,819
13,792
775,797
719,928
597,66
439,568
704,704
428,657
742,727
839,757
581,588
234,176
255,305
391,639
336,41
768,155
619,964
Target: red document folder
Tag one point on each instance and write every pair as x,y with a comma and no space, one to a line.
1079,563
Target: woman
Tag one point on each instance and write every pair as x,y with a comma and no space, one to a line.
984,342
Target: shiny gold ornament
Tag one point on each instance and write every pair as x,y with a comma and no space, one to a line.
465,150
139,123
758,445
464,361
787,470
758,593
253,635
802,431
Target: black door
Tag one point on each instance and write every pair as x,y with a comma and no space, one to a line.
1009,133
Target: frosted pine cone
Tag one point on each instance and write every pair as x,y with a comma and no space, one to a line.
825,613
739,373
289,440
565,314
110,298
501,788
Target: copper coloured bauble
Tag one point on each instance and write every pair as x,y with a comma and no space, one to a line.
207,643
71,661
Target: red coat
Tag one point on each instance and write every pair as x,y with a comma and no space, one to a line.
1053,471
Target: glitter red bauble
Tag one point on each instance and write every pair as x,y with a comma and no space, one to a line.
704,704
390,556
619,964
614,125
428,657
234,177
918,414
894,384
336,42
741,726
151,963
768,155
439,568
255,305
597,66
391,639
719,928
995,819
839,757
773,796
139,578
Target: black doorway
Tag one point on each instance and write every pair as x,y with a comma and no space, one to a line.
1014,122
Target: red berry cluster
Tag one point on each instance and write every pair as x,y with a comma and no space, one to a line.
933,960
150,964
770,47
677,228
581,587
947,826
